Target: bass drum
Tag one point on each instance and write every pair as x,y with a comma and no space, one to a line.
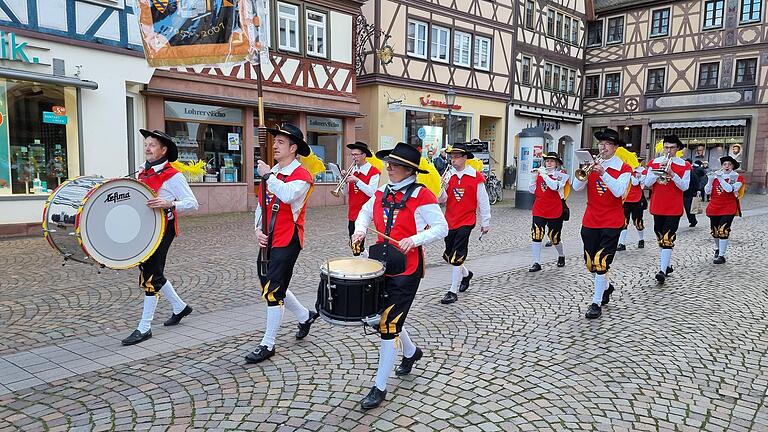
93,220
350,290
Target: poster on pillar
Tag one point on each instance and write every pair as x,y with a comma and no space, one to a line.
203,32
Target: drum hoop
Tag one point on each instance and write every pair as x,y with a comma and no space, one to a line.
324,270
163,223
45,216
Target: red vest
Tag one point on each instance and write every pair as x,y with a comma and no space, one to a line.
667,200
721,202
358,198
547,202
636,191
404,224
604,210
461,207
155,179
284,223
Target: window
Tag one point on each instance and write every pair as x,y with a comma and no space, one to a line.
751,10
417,38
556,78
745,71
550,22
316,33
575,32
529,6
440,43
615,30
612,83
559,26
564,80
547,76
567,29
571,81
708,75
526,70
324,135
595,33
660,22
713,13
436,127
288,27
655,82
592,86
482,53
462,47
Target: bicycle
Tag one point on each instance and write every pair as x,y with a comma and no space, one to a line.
494,188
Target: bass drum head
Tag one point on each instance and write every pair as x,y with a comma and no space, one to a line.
116,227
352,268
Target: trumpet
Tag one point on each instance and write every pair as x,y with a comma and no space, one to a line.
340,187
583,173
446,177
661,173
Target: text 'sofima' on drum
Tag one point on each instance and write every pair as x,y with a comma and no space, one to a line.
93,220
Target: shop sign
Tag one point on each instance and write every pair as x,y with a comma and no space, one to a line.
13,50
428,101
203,113
52,118
324,124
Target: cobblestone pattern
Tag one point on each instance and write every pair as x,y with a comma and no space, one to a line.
515,353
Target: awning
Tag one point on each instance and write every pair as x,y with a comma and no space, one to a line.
699,124
47,79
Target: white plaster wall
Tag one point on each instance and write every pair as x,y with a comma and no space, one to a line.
27,211
341,42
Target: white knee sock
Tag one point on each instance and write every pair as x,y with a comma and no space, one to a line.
560,251
150,303
600,284
365,253
536,247
274,316
177,303
666,257
723,246
717,243
409,348
623,236
296,308
455,279
387,353
640,235
464,271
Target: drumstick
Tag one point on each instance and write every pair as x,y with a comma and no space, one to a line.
396,242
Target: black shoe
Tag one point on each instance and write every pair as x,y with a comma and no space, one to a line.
465,282
449,298
407,364
561,261
304,327
260,354
669,270
175,319
607,295
374,398
717,253
719,260
594,311
548,244
621,247
693,224
535,267
661,277
641,244
137,337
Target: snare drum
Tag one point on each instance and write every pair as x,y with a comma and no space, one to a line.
93,220
350,290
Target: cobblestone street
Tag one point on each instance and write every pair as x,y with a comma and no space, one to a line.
515,353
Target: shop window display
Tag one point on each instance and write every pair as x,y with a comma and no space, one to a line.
218,145
430,129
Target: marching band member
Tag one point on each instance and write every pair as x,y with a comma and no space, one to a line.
289,186
723,186
548,186
361,184
633,207
667,199
174,196
400,210
463,195
606,183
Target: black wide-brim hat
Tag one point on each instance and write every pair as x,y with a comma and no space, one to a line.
166,140
403,154
674,140
730,159
359,145
611,135
461,148
553,155
296,136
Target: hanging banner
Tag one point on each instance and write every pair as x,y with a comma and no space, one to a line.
201,32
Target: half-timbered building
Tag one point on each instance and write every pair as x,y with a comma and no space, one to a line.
696,68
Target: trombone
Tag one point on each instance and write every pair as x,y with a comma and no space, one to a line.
583,173
340,187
